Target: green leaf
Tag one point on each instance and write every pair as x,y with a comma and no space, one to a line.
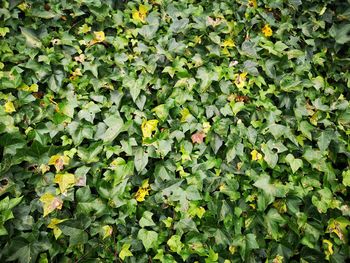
31,39
141,159
306,128
277,130
269,156
294,163
264,183
149,238
346,177
146,219
324,139
340,33
274,221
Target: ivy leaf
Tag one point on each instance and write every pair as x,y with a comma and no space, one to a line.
324,139
161,111
340,33
264,183
149,238
146,219
346,177
59,161
53,225
274,220
65,181
148,127
31,38
9,107
50,203
269,156
141,159
125,252
306,128
175,244
294,163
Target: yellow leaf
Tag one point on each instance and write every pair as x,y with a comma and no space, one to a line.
200,211
206,127
253,3
59,161
232,249
240,80
23,6
50,203
9,107
142,191
278,259
140,15
143,9
267,31
185,115
107,231
148,127
44,168
329,250
256,156
65,181
32,88
53,225
4,31
99,36
228,43
84,29
125,252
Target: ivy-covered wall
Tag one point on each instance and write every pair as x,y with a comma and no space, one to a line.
174,131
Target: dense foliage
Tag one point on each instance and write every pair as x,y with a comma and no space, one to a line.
171,131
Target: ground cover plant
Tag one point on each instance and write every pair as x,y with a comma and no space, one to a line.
174,131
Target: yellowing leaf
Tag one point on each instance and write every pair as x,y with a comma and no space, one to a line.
84,29
232,249
148,127
256,156
65,181
50,203
240,80
200,211
228,43
53,225
267,31
125,252
4,31
99,36
252,3
278,259
32,88
23,6
59,161
107,231
140,15
329,249
206,127
9,107
168,221
185,115
142,191
44,168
